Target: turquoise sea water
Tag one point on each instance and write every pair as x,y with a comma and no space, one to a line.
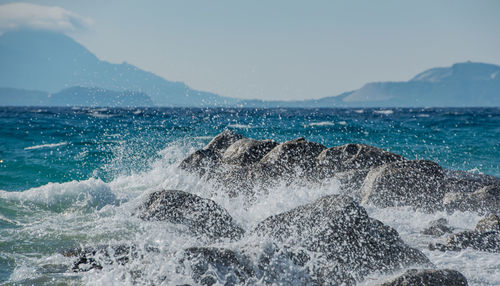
72,176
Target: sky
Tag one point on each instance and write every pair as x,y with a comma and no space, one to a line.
273,50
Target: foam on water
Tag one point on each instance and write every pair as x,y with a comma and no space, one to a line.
53,145
93,212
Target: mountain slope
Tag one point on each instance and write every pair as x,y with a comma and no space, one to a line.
39,60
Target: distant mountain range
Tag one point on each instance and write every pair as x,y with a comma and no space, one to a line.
50,69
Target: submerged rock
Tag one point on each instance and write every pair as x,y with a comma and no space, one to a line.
211,265
201,216
438,228
406,183
428,277
485,237
350,243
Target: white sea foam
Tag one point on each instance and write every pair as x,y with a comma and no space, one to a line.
319,124
384,111
94,212
53,145
240,126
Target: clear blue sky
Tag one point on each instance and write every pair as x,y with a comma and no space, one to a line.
284,49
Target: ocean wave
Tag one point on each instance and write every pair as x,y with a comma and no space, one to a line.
319,124
239,126
53,145
384,111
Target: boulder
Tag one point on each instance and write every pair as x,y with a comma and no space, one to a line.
211,265
438,228
206,160
223,140
350,244
484,200
289,159
405,183
246,151
485,237
201,161
353,157
201,216
428,277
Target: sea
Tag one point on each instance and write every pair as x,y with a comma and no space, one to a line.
74,177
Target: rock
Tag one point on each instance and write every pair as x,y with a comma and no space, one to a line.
350,243
247,151
289,159
485,237
96,257
353,157
223,140
201,216
206,160
484,200
438,228
405,183
210,265
201,161
489,223
428,277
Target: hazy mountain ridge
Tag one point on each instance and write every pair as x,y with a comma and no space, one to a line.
74,96
34,64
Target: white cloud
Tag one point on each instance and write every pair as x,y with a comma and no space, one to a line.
24,15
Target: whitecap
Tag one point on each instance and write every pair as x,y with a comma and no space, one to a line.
319,124
53,145
384,111
240,126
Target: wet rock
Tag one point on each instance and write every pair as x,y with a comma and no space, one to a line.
490,223
485,199
485,237
95,257
405,183
350,243
206,160
247,151
288,159
428,277
223,140
201,216
210,265
353,157
201,161
438,228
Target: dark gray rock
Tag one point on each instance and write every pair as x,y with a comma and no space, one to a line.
201,161
210,265
438,228
485,237
287,160
223,140
247,151
201,216
490,223
405,183
350,157
340,231
428,277
484,200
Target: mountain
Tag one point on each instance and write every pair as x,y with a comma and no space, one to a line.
74,96
49,61
461,85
